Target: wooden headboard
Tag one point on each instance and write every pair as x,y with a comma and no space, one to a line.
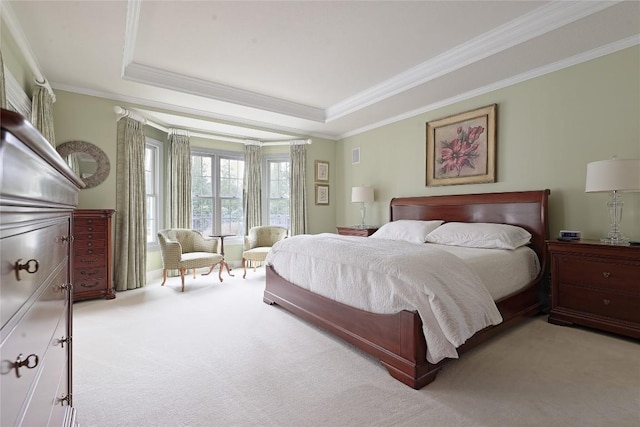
527,209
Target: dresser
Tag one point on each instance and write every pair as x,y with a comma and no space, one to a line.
596,285
38,194
357,231
92,254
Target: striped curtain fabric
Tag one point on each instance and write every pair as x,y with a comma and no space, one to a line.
42,113
179,179
252,186
130,251
298,189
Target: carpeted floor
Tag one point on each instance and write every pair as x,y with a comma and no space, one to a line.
216,355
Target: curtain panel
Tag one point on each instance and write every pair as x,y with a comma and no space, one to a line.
179,179
253,187
42,113
298,186
130,251
3,91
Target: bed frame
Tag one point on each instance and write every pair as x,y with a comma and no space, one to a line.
397,339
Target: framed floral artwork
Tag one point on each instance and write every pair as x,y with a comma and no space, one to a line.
461,149
322,194
322,171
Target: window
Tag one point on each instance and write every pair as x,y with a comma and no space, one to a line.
276,204
152,162
216,193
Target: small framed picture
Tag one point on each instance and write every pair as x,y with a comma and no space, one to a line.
322,171
322,194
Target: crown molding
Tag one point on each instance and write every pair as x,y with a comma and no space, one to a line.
540,71
157,77
526,27
131,31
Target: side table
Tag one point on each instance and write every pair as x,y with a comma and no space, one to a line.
223,262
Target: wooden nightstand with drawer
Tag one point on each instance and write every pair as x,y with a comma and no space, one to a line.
357,231
596,285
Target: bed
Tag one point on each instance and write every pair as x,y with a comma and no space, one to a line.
398,339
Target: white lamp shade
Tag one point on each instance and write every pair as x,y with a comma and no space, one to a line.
362,194
615,174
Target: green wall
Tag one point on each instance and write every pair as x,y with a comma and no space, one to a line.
548,129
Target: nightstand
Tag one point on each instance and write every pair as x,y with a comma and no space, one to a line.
597,285
357,231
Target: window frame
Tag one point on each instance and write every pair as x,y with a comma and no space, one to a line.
218,155
266,184
157,146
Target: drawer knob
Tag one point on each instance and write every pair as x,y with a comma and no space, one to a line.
63,340
30,267
67,239
606,274
30,362
606,301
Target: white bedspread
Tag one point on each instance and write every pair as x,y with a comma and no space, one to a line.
386,276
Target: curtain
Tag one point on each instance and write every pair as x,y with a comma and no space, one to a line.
130,252
3,92
298,189
252,186
179,179
42,113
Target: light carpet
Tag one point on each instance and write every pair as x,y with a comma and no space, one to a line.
216,355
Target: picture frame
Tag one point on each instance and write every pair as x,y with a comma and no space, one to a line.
461,149
322,194
322,171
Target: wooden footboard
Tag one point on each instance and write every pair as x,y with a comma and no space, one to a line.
396,339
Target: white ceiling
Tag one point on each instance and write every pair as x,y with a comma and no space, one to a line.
319,68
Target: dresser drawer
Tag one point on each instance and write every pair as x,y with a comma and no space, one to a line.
82,244
30,340
45,407
44,245
622,307
95,227
90,235
595,273
92,260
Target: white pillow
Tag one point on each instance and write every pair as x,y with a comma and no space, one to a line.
480,235
407,229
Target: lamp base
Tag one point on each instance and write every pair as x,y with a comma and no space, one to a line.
623,241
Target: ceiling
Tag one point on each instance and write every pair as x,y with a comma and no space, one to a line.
272,70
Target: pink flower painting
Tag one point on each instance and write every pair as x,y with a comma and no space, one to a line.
460,153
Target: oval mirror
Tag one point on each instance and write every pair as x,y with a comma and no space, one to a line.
88,161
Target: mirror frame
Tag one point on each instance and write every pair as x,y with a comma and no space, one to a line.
102,161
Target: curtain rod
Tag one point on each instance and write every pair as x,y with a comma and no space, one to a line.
124,112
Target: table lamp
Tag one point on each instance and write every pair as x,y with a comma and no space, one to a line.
362,195
615,176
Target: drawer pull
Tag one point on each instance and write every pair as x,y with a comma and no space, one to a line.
90,228
90,260
66,398
606,301
63,340
63,287
30,362
30,267
85,285
89,273
606,274
67,239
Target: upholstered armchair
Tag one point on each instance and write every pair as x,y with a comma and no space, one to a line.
184,249
258,243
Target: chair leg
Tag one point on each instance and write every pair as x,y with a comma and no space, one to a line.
182,271
220,273
244,267
164,276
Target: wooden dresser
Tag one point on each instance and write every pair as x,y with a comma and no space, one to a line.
357,231
38,194
596,285
92,254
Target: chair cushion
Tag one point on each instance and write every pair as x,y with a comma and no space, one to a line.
256,254
199,259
